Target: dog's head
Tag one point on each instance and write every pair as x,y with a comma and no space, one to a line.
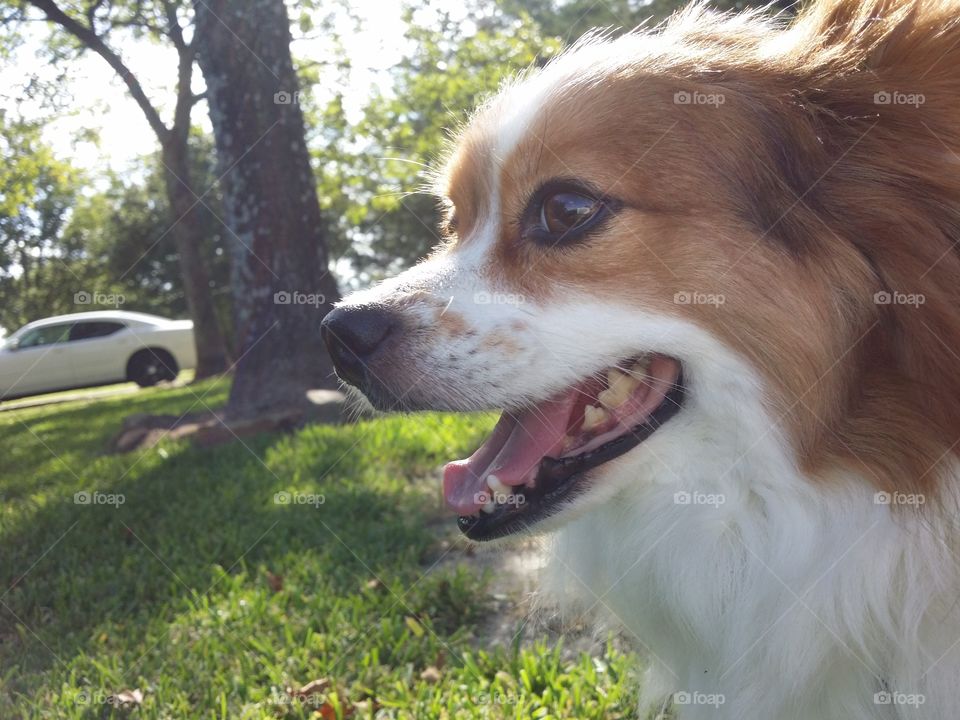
656,250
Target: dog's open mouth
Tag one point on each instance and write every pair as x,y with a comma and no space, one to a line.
539,456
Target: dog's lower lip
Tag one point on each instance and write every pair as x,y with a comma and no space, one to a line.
558,479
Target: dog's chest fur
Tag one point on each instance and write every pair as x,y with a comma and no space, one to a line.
776,601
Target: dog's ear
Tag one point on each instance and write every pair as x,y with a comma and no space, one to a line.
893,38
880,86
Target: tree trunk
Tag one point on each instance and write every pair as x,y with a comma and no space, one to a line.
188,238
281,280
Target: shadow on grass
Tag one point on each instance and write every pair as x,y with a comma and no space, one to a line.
316,534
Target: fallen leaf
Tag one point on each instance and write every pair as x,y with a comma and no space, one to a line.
275,581
430,675
328,712
310,689
127,698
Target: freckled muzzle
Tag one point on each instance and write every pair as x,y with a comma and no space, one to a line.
539,455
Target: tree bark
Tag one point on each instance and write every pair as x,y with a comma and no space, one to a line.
281,280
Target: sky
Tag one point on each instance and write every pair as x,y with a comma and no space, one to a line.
97,98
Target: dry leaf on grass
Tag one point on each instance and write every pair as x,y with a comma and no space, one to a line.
430,675
275,581
328,712
310,689
127,698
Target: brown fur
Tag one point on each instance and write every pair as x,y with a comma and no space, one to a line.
797,200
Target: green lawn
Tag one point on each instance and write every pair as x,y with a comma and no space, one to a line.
188,577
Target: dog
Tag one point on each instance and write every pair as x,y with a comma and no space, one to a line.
709,272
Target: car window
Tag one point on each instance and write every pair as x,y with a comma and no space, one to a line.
94,329
45,335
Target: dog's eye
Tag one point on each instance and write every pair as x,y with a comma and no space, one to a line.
564,211
562,214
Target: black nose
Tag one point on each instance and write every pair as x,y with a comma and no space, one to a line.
352,336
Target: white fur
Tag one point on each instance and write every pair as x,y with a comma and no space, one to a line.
796,598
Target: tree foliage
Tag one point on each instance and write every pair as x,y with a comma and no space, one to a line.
38,257
60,235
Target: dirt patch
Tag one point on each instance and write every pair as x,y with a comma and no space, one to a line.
516,617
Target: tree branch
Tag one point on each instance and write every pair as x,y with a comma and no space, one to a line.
186,54
89,37
140,24
92,12
173,26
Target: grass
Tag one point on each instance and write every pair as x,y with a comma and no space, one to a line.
214,579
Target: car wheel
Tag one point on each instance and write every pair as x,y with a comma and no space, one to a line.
148,367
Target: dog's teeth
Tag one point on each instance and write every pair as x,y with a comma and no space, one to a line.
497,486
489,506
641,366
621,386
609,399
593,417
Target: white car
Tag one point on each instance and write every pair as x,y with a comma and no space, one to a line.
94,348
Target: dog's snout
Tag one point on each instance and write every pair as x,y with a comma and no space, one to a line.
353,335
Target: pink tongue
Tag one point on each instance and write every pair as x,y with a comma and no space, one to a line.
512,453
